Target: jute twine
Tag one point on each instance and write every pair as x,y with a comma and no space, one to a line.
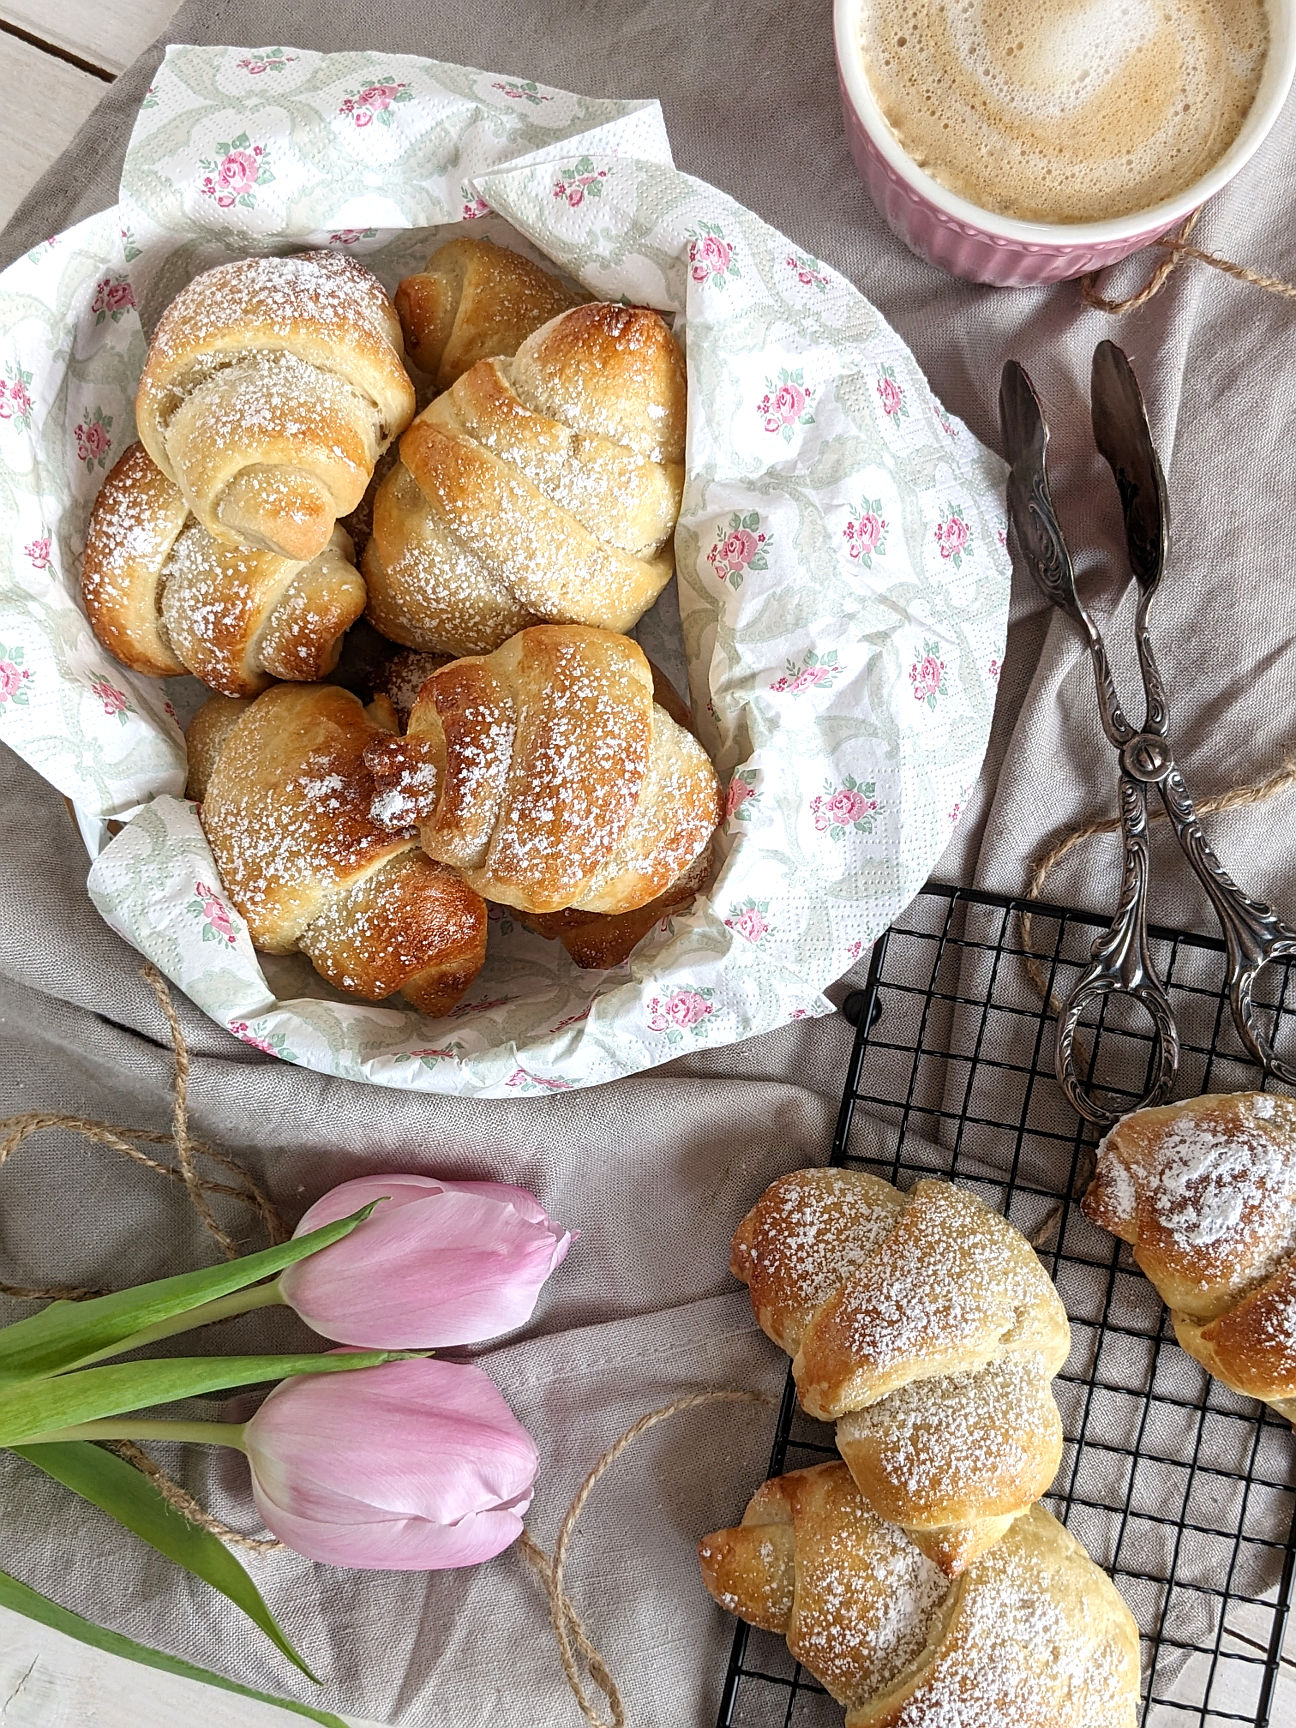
1178,251
569,1631
244,1189
575,1645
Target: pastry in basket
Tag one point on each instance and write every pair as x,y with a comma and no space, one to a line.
544,487
474,301
924,1325
285,807
548,776
1205,1193
597,940
166,598
271,387
1032,1635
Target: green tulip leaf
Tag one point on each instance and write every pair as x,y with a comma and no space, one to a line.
127,1495
30,1408
22,1599
67,1332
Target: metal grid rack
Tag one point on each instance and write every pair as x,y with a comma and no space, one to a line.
1183,1491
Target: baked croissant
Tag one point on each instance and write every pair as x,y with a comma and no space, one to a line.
474,301
548,777
1032,1633
1205,1192
285,808
925,1326
271,387
541,487
166,598
597,940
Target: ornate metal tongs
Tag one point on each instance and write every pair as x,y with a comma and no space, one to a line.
1121,961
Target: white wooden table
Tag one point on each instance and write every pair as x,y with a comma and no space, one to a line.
56,58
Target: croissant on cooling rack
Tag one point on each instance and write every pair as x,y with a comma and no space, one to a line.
271,387
1031,1633
285,808
548,776
926,1327
1205,1193
541,487
166,598
474,301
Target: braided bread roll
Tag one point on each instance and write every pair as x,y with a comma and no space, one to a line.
166,598
1032,1635
285,808
925,1326
1205,1193
474,301
541,487
547,776
271,387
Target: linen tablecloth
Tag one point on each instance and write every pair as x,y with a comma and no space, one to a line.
654,1171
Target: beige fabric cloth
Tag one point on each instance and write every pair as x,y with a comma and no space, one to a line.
656,1170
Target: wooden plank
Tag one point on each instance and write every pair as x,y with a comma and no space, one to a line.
49,1681
47,101
108,35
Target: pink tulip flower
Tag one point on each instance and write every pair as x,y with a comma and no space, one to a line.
436,1263
412,1466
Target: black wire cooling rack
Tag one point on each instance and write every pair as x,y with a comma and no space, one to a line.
1185,1492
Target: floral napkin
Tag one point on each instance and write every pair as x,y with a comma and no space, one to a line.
842,579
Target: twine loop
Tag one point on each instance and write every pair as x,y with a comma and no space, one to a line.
569,1631
1179,251
244,1189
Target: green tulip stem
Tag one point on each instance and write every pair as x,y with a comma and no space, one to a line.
221,1308
147,1428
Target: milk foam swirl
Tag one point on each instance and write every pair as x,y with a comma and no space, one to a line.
1065,110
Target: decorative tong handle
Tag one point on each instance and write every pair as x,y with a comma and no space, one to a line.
1254,934
1121,965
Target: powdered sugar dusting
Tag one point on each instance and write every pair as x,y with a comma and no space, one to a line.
988,1436
807,1233
1028,1645
864,1598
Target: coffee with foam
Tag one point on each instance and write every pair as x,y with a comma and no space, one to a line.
1065,110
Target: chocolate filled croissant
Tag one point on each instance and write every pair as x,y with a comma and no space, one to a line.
1032,1633
926,1327
285,808
546,774
271,387
1205,1192
166,598
474,301
542,487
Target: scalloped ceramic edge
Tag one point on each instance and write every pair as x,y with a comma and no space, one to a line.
842,577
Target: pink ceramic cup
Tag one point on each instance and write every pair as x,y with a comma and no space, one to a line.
984,247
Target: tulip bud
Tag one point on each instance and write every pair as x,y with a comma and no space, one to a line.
411,1466
436,1263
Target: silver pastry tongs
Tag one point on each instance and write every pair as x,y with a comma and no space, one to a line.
1121,961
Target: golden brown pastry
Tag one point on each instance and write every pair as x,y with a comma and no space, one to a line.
166,598
596,940
1032,1635
1205,1193
271,387
285,808
925,1326
541,487
474,301
546,774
